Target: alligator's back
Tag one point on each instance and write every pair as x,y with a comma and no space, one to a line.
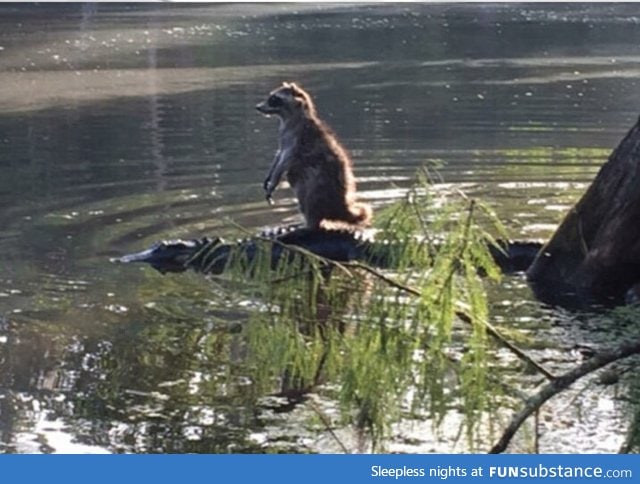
212,255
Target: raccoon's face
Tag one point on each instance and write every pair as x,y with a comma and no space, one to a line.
285,101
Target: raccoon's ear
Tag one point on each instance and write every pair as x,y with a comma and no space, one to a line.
295,88
302,97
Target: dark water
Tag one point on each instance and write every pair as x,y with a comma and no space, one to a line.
123,125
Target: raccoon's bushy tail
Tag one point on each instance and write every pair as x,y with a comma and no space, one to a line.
360,214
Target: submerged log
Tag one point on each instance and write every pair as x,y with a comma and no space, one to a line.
595,252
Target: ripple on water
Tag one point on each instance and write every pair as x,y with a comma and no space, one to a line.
50,435
112,140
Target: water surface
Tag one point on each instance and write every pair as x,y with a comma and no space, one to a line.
121,125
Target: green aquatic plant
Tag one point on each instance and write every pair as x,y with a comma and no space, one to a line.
383,344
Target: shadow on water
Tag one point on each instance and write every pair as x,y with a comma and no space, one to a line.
123,125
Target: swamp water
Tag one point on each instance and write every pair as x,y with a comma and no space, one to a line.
122,125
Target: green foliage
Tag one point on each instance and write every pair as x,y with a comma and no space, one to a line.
381,343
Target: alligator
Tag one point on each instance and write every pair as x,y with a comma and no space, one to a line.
210,255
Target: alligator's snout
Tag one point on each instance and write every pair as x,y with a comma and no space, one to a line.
166,256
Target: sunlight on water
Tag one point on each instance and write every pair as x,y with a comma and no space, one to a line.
123,125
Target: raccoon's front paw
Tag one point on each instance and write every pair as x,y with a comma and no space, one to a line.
268,188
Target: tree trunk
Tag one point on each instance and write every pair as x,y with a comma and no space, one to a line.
595,252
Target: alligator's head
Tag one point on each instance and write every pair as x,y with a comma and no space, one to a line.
171,255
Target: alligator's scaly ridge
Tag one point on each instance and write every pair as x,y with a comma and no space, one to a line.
210,255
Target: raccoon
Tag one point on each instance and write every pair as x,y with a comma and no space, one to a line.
317,166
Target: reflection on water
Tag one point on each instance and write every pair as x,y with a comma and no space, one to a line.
122,125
